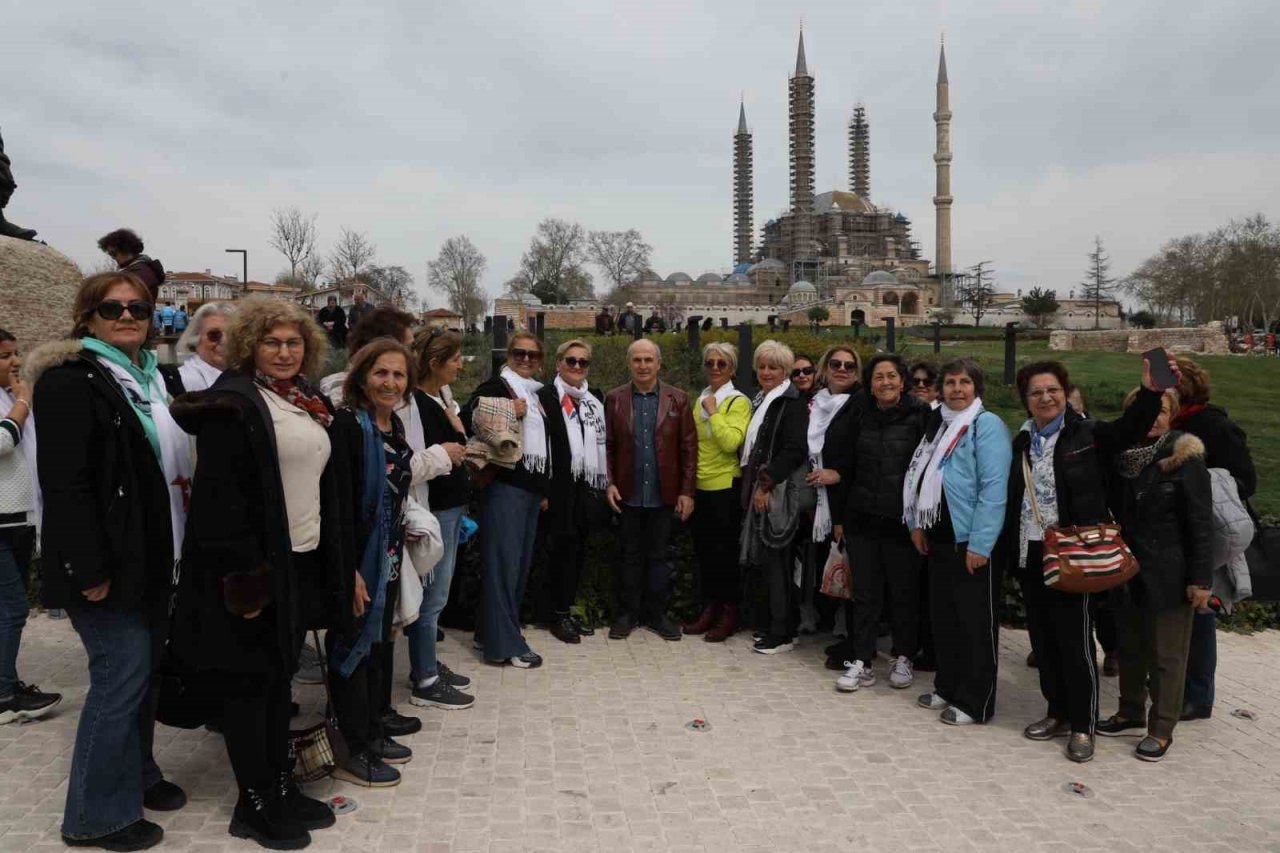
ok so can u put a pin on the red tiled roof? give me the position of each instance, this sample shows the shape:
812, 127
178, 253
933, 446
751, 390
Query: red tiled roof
440, 312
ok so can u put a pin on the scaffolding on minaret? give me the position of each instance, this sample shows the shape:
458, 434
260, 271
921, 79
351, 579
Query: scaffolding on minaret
860, 153
800, 89
742, 190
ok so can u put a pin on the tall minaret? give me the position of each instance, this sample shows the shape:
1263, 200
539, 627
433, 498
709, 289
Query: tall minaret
742, 190
860, 153
801, 89
942, 159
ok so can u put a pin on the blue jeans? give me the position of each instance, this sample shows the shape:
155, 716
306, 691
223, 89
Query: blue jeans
15, 554
112, 765
421, 635
1202, 661
508, 528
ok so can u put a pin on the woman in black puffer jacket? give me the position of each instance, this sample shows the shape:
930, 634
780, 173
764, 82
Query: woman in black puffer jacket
885, 437
1165, 506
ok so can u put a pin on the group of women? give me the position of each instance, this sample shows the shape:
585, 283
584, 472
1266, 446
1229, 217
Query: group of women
202, 524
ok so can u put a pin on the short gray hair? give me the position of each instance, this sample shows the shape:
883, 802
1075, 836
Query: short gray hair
656, 349
191, 337
725, 349
775, 353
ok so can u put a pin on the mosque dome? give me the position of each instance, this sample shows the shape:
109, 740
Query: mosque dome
880, 278
802, 287
767, 264
710, 278
737, 278
523, 298
844, 201
800, 293
678, 278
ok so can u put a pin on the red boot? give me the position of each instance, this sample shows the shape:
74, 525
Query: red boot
726, 626
704, 622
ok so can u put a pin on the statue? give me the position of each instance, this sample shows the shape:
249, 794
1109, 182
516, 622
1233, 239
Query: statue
7, 186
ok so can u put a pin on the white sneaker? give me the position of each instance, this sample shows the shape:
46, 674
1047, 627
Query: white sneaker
953, 716
856, 674
901, 675
933, 702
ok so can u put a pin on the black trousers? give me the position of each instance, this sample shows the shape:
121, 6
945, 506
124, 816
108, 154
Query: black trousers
644, 578
361, 699
965, 629
928, 649
1061, 634
880, 563
777, 568
717, 525
568, 556
255, 713
1104, 621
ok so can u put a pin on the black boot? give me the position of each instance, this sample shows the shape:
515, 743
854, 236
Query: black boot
8, 229
309, 813
259, 815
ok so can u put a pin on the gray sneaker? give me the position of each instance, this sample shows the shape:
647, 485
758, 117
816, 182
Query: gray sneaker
452, 678
901, 675
441, 694
856, 674
933, 702
308, 666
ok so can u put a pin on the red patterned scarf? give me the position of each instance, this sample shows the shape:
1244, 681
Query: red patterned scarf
298, 392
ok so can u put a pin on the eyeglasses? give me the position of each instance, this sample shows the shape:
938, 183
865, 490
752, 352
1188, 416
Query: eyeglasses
838, 364
1045, 393
213, 336
801, 371
920, 381
277, 344
715, 364
112, 309
575, 362
525, 355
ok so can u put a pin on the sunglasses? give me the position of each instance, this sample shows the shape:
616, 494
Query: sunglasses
838, 364
575, 362
715, 364
525, 355
213, 336
112, 309
802, 371
920, 381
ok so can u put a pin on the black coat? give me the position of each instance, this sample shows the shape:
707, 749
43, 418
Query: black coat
520, 477
106, 503
237, 525
568, 501
782, 445
883, 442
1084, 461
1225, 445
453, 489
1167, 517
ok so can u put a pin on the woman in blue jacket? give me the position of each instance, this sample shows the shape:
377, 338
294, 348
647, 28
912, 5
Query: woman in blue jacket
953, 502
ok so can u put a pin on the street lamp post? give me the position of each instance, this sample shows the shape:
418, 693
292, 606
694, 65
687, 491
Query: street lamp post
244, 256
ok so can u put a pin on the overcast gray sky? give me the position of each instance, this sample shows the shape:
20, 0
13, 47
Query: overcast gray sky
413, 121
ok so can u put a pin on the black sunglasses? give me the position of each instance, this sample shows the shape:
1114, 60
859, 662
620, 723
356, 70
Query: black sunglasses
575, 362
802, 371
213, 336
111, 309
525, 355
837, 364
920, 381
715, 364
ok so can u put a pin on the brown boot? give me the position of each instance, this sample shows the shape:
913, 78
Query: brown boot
704, 622
726, 626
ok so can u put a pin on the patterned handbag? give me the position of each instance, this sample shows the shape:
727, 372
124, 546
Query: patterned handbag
1082, 558
318, 749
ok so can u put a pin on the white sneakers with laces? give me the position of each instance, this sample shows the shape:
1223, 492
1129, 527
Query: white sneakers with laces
901, 674
856, 674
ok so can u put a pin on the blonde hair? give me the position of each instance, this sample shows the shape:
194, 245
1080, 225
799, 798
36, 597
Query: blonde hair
570, 344
832, 350
1171, 395
256, 316
728, 350
775, 353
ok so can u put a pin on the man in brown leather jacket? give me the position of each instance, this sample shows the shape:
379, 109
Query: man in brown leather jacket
653, 462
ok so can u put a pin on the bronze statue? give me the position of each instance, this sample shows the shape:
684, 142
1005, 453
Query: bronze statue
7, 186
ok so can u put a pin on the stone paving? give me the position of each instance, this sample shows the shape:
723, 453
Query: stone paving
591, 752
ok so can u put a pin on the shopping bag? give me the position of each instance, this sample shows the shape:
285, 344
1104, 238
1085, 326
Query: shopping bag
836, 581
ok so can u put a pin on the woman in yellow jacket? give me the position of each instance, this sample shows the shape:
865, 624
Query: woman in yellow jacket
722, 415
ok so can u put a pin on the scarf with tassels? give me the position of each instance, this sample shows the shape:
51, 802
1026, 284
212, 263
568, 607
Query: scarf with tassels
584, 421
922, 487
824, 406
533, 429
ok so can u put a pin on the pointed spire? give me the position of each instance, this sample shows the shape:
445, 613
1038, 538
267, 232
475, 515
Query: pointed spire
742, 117
801, 69
942, 62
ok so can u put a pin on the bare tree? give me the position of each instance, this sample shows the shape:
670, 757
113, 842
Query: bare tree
352, 256
1097, 286
293, 234
551, 269
623, 255
310, 271
456, 273
394, 282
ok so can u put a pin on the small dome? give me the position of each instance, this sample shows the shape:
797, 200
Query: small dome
802, 287
710, 278
525, 298
880, 278
737, 278
742, 267
678, 278
767, 264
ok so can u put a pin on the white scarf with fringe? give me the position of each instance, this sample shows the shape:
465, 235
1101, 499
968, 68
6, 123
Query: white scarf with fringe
533, 428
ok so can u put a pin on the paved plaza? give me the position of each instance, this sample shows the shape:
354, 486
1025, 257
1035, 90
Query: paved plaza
592, 752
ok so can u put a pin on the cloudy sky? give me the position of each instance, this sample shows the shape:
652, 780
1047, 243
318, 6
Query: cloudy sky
413, 121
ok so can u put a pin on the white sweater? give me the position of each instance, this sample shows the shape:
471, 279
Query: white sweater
17, 494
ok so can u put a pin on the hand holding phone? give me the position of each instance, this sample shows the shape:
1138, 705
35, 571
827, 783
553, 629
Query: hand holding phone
1160, 373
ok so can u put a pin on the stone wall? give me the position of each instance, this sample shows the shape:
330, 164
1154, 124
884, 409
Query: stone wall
37, 290
1210, 339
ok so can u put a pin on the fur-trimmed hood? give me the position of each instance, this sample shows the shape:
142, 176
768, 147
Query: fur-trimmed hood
46, 356
1180, 451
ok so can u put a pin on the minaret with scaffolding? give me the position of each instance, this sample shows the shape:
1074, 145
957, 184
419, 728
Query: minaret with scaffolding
860, 153
742, 190
801, 142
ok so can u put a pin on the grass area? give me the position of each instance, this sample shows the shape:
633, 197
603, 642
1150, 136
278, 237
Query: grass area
1241, 384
